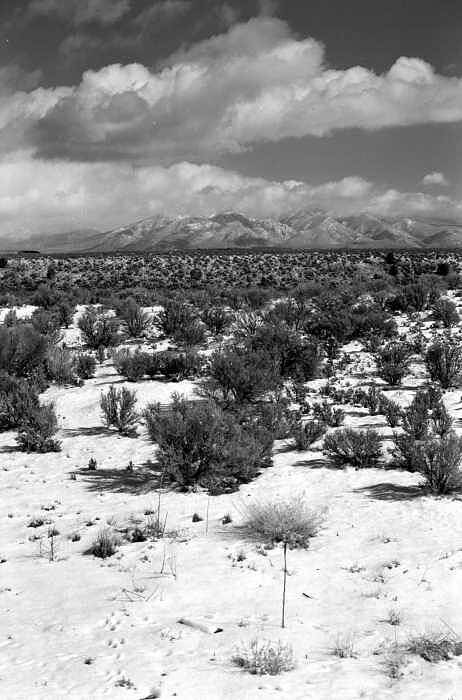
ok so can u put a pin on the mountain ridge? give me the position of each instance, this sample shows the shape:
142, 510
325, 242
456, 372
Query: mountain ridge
305, 228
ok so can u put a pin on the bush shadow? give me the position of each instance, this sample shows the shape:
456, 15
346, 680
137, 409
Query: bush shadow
140, 480
388, 491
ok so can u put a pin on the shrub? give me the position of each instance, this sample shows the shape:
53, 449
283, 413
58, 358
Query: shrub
216, 319
305, 434
85, 366
199, 443
393, 362
237, 374
439, 463
444, 362
130, 365
391, 410
118, 407
360, 448
135, 320
290, 523
17, 398
174, 316
36, 430
98, 329
445, 312
372, 399
179, 365
264, 658
22, 349
406, 452
416, 296
105, 544
416, 418
60, 365
326, 413
193, 333
295, 356
441, 420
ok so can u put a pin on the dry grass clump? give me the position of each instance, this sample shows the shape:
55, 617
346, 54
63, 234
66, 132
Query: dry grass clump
344, 647
264, 658
433, 646
290, 522
105, 544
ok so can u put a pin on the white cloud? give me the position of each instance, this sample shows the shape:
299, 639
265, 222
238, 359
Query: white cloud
257, 82
435, 178
47, 196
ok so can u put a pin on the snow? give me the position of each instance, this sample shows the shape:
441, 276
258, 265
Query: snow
80, 627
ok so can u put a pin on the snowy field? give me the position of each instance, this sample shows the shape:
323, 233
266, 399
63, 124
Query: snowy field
82, 628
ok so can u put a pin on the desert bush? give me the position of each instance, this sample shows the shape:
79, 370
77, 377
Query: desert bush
22, 349
85, 366
368, 321
416, 418
98, 329
305, 434
372, 400
216, 319
439, 462
405, 452
237, 374
18, 398
45, 321
393, 362
135, 320
36, 430
191, 334
288, 522
105, 544
174, 316
264, 658
199, 443
177, 366
441, 421
326, 413
391, 410
118, 408
445, 312
417, 296
60, 365
296, 357
360, 448
130, 365
443, 360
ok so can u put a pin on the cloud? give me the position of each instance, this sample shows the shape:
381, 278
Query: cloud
81, 11
435, 178
52, 196
254, 83
161, 12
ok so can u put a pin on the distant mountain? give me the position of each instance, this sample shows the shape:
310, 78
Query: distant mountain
310, 229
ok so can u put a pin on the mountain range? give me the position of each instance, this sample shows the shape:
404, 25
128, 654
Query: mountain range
310, 229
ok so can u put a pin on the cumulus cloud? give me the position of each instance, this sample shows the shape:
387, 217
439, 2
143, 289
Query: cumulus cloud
52, 196
81, 11
435, 178
256, 82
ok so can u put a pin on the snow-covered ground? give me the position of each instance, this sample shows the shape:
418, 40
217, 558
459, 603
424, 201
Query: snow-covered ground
83, 628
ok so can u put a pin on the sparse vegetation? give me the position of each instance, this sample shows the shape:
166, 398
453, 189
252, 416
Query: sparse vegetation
118, 408
359, 448
264, 658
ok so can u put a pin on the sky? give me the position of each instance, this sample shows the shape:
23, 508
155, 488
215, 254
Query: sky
116, 110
